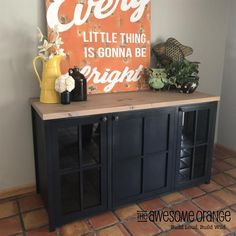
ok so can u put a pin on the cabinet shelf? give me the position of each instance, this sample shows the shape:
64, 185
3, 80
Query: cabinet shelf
193, 146
185, 152
185, 162
184, 174
186, 142
69, 164
74, 170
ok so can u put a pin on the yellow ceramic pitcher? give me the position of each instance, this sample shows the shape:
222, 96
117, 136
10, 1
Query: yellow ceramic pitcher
51, 71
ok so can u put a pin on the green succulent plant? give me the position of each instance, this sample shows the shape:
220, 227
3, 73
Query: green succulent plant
180, 72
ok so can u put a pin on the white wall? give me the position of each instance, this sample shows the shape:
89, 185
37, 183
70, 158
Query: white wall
227, 124
197, 23
18, 44
200, 24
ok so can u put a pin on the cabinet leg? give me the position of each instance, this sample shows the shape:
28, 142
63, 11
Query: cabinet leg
51, 228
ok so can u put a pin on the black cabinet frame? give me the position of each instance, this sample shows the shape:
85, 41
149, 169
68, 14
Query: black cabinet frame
47, 166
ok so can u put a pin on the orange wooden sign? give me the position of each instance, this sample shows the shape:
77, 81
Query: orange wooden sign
108, 39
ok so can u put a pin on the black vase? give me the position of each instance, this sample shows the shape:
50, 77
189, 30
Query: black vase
79, 93
65, 98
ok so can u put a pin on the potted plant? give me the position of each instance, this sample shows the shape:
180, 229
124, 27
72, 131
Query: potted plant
183, 75
64, 84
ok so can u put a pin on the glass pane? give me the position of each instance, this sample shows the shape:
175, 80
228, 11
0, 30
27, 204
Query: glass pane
91, 186
68, 147
91, 144
199, 163
202, 126
70, 193
188, 128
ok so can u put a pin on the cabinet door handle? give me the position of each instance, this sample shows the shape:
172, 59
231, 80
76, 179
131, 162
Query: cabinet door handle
104, 119
116, 118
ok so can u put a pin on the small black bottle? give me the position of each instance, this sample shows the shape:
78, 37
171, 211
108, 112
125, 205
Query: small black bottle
79, 93
65, 98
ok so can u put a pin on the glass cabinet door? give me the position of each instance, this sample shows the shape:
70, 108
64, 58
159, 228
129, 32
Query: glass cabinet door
194, 137
81, 151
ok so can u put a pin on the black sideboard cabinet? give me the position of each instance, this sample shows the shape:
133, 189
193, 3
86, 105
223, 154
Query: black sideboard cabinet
90, 164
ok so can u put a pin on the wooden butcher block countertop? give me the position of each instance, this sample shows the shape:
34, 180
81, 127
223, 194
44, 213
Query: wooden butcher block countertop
119, 102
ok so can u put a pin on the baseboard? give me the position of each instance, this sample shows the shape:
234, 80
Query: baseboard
16, 191
225, 149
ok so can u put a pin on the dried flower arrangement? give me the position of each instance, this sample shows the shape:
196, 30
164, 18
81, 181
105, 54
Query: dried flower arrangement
51, 45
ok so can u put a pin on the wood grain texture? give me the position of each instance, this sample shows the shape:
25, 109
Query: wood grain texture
119, 102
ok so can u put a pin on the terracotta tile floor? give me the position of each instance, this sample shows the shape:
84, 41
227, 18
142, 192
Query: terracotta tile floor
25, 215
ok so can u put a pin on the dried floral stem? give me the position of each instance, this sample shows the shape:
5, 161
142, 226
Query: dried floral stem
51, 46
